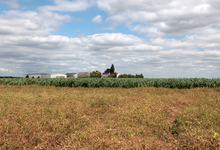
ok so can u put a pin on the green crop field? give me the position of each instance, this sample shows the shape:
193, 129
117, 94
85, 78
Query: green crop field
181, 83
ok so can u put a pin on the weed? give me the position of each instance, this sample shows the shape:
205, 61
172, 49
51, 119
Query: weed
108, 118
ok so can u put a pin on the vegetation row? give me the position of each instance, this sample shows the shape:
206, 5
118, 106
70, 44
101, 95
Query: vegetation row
181, 83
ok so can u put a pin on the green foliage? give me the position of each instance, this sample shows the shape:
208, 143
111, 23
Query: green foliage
112, 70
140, 76
112, 75
27, 76
95, 74
181, 83
130, 76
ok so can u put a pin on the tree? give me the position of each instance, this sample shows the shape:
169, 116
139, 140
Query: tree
121, 76
125, 76
112, 75
96, 74
38, 77
27, 76
33, 77
112, 70
141, 76
129, 75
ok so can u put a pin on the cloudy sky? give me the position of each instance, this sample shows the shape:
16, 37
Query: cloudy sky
158, 38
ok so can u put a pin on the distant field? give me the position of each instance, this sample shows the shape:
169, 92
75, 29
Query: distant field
49, 117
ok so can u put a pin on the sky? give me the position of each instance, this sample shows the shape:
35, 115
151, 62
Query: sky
156, 38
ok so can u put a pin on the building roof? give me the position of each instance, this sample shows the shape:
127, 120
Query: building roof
43, 74
71, 74
83, 74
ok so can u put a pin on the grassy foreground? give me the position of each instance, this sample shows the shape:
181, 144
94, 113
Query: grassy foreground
48, 117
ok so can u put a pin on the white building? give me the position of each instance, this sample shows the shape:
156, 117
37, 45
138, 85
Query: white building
72, 75
43, 75
106, 75
117, 74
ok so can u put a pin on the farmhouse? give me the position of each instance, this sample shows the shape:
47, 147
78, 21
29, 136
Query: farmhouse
44, 75
83, 74
105, 74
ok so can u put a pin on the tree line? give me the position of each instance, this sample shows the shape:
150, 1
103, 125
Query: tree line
97, 74
131, 76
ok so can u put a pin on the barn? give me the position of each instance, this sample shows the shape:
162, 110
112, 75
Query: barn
44, 75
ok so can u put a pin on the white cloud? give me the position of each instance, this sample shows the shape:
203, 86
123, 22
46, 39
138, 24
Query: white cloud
93, 67
32, 23
128, 53
201, 8
77, 19
26, 43
97, 19
161, 18
149, 31
13, 4
3, 69
66, 5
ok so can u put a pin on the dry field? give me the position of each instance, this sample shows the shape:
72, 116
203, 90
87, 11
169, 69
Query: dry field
47, 117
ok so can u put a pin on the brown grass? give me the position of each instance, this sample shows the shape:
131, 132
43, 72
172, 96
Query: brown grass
44, 117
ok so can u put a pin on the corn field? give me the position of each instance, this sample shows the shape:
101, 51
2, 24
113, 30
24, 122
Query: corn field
181, 83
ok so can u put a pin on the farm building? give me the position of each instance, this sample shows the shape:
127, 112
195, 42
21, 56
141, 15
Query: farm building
83, 74
72, 75
43, 75
105, 75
